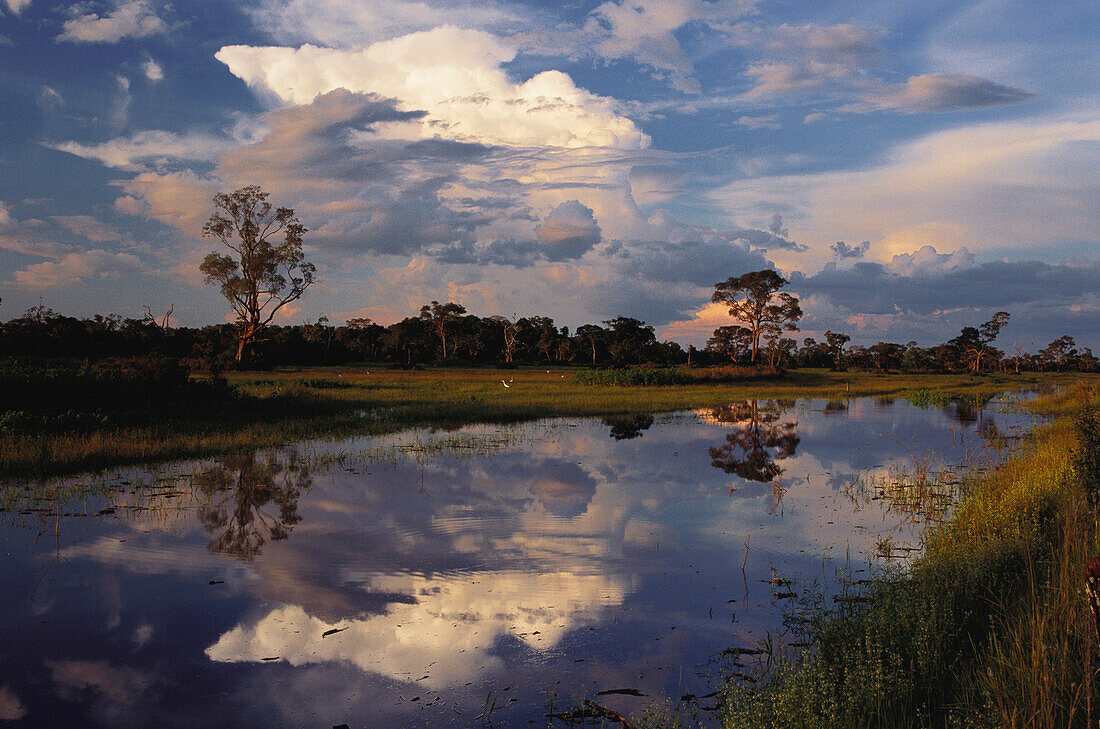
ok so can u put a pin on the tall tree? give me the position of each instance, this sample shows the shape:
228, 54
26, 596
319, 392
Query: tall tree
440, 316
754, 300
266, 269
510, 329
593, 334
836, 342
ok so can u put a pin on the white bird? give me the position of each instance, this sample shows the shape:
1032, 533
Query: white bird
505, 383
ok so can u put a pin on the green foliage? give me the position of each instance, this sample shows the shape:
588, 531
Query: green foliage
54, 393
663, 376
1086, 455
634, 377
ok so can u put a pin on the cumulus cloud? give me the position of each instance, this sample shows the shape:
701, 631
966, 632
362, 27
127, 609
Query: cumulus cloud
927, 262
446, 635
465, 94
179, 199
808, 57
842, 250
642, 31
152, 70
569, 231
82, 267
134, 19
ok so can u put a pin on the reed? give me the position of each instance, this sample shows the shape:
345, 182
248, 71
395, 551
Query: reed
987, 628
259, 410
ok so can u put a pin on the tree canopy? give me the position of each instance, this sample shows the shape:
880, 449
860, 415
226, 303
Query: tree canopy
754, 300
265, 269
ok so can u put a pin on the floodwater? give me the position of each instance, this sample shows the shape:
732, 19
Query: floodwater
488, 576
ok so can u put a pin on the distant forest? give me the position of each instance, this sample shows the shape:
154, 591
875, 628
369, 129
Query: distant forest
445, 334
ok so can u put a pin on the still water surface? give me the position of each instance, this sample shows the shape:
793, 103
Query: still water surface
422, 578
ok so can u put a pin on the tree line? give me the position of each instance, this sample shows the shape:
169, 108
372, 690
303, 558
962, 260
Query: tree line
446, 334
261, 268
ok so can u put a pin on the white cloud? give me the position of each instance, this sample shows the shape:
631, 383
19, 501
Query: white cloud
809, 57
134, 19
91, 228
926, 261
31, 236
845, 61
118, 113
148, 147
447, 635
640, 30
467, 95
644, 30
152, 70
984, 187
16, 6
759, 122
94, 266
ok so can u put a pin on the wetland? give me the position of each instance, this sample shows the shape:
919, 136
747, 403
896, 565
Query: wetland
495, 575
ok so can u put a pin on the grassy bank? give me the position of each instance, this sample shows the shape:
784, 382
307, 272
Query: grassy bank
989, 628
274, 408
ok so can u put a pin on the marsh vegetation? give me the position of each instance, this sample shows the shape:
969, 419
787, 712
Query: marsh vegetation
637, 561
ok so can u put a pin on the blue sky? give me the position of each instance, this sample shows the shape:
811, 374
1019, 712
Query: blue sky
912, 167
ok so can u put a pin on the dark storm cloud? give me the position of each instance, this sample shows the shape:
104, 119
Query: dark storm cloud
568, 232
872, 288
841, 249
931, 305
373, 194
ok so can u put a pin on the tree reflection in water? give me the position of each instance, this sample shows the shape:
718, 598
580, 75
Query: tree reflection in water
746, 450
625, 427
250, 501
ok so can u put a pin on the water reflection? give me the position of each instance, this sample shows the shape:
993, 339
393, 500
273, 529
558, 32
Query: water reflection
247, 501
625, 427
757, 428
401, 590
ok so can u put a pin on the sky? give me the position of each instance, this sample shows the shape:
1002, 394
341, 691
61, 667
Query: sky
911, 167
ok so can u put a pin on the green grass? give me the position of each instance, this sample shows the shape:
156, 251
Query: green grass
296, 404
989, 628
